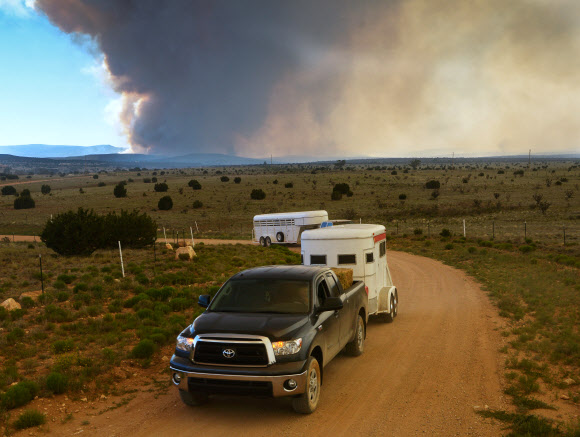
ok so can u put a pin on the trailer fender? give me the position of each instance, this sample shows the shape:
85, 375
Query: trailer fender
385, 298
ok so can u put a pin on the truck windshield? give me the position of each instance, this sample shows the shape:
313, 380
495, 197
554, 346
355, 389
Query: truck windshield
263, 296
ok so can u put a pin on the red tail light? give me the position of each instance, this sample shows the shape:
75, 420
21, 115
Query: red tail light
367, 290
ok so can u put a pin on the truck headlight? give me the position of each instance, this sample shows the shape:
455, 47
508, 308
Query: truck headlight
184, 344
287, 347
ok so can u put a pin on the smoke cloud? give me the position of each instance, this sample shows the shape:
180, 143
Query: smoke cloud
338, 78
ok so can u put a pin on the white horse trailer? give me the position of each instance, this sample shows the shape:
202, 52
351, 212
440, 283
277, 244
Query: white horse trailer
362, 248
285, 227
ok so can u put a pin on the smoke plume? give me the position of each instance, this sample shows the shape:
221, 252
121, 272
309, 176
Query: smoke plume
331, 78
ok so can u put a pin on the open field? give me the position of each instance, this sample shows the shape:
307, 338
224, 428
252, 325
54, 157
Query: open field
494, 199
93, 325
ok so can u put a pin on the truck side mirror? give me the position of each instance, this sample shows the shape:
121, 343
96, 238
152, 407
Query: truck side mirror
330, 304
204, 300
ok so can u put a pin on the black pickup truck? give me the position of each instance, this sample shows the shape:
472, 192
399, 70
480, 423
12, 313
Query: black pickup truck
269, 331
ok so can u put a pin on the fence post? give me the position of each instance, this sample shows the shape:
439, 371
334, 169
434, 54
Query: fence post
191, 230
564, 236
463, 228
164, 235
196, 228
41, 277
121, 255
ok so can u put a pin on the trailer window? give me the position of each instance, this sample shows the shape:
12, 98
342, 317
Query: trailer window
346, 259
370, 257
382, 248
318, 260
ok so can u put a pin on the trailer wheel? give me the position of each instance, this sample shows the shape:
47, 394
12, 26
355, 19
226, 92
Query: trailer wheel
262, 241
267, 242
193, 399
357, 346
307, 402
390, 316
280, 237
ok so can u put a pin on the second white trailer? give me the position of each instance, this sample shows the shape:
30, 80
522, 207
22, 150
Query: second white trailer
362, 248
285, 227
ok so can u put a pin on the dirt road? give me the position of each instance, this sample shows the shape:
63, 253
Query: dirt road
424, 374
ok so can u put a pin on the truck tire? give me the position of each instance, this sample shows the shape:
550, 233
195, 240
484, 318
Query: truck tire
267, 242
193, 399
280, 237
262, 241
357, 346
307, 402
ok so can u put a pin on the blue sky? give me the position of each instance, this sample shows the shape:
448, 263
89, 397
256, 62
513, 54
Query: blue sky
50, 89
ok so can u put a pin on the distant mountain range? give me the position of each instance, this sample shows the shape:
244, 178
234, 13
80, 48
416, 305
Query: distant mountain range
106, 156
52, 151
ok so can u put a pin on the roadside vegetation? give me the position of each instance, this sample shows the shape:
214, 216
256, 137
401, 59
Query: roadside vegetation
92, 324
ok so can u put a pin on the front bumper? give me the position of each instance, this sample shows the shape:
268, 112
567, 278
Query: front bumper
270, 385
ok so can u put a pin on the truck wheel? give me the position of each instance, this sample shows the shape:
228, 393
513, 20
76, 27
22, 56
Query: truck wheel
390, 316
193, 399
280, 237
357, 346
262, 241
396, 303
268, 242
307, 402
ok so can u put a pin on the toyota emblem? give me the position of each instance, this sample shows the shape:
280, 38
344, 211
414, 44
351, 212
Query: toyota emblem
229, 353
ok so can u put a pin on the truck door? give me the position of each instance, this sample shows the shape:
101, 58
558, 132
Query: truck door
345, 316
329, 320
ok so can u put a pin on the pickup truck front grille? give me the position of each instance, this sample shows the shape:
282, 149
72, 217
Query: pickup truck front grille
231, 353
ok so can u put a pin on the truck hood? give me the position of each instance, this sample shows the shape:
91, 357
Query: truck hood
274, 326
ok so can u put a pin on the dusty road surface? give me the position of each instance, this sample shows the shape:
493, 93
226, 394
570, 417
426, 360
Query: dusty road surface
424, 374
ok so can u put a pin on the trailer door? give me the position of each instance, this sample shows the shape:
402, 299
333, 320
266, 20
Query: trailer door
371, 279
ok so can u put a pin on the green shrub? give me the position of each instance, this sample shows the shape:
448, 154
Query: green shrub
471, 249
165, 203
27, 302
8, 190
289, 185
257, 194
133, 229
341, 188
29, 419
195, 184
448, 246
237, 180
59, 285
402, 196
81, 286
224, 179
67, 279
74, 233
15, 335
19, 394
161, 187
184, 256
433, 185
62, 296
101, 184
120, 190
45, 189
62, 346
24, 202
418, 231
526, 248
445, 233
56, 382
144, 349
336, 195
